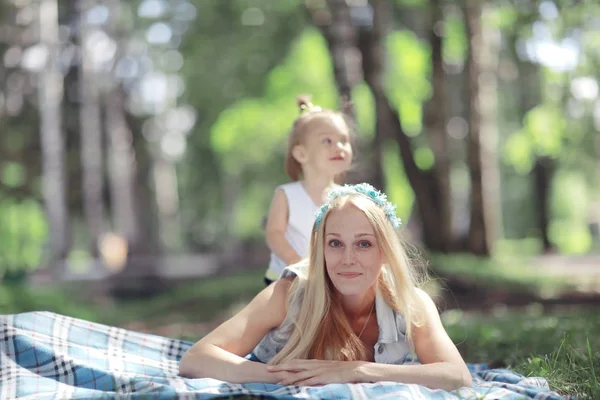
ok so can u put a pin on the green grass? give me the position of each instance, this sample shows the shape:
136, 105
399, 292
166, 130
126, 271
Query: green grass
562, 347
19, 297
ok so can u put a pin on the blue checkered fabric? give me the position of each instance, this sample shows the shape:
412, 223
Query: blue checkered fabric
49, 356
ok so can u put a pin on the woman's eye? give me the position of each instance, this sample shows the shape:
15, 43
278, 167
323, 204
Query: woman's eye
335, 243
363, 244
326, 141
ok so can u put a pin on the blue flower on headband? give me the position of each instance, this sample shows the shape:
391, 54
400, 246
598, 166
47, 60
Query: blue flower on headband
367, 190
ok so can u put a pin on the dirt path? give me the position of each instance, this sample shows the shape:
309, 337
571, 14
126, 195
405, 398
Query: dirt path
582, 271
568, 265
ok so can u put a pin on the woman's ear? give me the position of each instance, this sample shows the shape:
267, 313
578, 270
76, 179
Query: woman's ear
299, 153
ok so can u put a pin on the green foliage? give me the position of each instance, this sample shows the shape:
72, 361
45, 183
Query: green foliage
412, 3
399, 190
23, 233
519, 152
12, 174
365, 110
542, 135
19, 297
455, 44
503, 16
424, 158
570, 204
546, 127
251, 208
407, 82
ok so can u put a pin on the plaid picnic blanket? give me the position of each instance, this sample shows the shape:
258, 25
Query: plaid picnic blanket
49, 356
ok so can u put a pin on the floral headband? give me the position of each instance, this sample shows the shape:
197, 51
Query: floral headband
366, 190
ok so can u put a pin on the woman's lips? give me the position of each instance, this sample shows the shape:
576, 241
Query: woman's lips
349, 275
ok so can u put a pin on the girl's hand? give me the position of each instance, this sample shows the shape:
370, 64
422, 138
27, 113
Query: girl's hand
317, 372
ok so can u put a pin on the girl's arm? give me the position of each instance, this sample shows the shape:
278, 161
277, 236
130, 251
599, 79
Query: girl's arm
277, 221
442, 365
220, 354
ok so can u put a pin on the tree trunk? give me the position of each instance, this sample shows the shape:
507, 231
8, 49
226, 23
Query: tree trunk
52, 137
340, 35
424, 183
90, 129
543, 168
483, 136
140, 276
543, 171
434, 123
122, 170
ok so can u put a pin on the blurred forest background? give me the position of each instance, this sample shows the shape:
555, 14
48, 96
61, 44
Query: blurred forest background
141, 141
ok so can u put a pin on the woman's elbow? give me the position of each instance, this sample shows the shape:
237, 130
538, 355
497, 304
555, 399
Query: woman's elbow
189, 365
464, 378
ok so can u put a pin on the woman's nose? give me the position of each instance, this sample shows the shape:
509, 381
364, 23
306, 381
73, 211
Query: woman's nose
349, 255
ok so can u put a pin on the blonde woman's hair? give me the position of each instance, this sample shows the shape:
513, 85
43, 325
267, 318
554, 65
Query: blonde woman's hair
321, 328
310, 115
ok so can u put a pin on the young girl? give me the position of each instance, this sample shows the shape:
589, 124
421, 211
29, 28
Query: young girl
318, 155
350, 313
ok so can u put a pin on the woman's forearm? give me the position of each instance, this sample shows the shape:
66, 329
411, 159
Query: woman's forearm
213, 362
440, 375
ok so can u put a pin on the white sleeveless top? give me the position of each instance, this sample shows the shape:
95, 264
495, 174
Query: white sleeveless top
301, 217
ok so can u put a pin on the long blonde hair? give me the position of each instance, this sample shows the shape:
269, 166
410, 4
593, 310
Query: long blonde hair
321, 329
309, 115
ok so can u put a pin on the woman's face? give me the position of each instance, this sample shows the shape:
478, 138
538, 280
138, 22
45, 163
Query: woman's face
352, 254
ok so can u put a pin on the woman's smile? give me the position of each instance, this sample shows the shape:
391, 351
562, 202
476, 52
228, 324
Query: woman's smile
349, 275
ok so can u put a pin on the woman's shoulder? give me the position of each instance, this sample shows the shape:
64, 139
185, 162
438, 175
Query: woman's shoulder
300, 270
425, 300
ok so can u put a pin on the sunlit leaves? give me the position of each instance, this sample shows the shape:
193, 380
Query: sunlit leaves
455, 40
546, 126
570, 196
503, 16
424, 158
543, 134
307, 69
399, 190
518, 152
365, 110
407, 81
570, 205
23, 232
12, 174
570, 237
412, 3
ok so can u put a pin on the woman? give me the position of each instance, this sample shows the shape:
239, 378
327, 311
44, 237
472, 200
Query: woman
351, 313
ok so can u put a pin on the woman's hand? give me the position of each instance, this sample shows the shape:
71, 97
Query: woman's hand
317, 372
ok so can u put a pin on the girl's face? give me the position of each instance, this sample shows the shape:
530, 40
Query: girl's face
353, 258
326, 147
